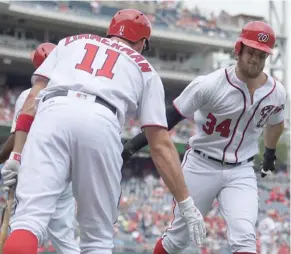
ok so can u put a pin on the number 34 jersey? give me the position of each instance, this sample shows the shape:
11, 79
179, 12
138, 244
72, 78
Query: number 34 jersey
228, 122
109, 69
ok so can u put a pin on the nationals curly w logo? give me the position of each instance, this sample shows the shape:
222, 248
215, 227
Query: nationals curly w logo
262, 37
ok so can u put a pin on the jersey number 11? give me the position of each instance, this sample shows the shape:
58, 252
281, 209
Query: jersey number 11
108, 65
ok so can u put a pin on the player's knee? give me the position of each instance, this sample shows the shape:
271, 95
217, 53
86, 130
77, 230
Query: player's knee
242, 237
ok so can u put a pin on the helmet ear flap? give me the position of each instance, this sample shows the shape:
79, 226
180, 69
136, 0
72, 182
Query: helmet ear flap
147, 45
237, 48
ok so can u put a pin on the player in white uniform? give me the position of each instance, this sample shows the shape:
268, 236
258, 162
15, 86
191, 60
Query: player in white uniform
267, 234
230, 107
61, 226
88, 85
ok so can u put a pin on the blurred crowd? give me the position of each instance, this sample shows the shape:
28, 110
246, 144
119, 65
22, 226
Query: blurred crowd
7, 102
170, 14
179, 134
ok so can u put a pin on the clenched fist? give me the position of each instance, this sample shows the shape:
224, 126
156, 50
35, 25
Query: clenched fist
193, 219
10, 170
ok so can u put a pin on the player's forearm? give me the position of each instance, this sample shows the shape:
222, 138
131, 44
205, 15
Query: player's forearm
20, 139
7, 149
29, 105
167, 162
28, 110
20, 135
272, 134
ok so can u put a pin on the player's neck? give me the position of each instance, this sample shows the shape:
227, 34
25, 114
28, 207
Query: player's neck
131, 45
121, 40
251, 83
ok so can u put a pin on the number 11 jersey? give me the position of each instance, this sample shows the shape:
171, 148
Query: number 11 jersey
109, 69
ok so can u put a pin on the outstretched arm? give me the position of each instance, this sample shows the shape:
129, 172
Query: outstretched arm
140, 141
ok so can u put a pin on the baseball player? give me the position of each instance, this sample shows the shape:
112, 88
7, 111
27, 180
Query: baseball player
84, 90
231, 106
267, 230
61, 226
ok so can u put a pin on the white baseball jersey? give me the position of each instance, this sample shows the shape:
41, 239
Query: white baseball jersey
109, 69
228, 124
18, 106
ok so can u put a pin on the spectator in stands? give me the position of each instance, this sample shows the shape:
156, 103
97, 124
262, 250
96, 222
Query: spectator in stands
267, 233
287, 193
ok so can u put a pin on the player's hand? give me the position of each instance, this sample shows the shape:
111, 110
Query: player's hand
193, 219
126, 155
10, 170
268, 165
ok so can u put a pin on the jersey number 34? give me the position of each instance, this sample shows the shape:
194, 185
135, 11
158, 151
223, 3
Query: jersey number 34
108, 65
211, 125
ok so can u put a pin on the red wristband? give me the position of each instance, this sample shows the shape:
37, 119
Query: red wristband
15, 156
24, 122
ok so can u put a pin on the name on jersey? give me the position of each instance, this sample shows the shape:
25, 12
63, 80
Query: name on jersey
139, 59
266, 112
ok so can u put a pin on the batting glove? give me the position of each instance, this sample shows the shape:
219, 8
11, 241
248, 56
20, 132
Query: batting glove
268, 164
10, 170
193, 219
126, 155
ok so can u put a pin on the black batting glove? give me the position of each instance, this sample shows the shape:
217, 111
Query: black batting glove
126, 155
127, 152
268, 164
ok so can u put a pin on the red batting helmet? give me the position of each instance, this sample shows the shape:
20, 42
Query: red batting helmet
131, 25
41, 53
258, 35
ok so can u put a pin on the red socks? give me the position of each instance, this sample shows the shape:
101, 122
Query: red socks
21, 242
159, 249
